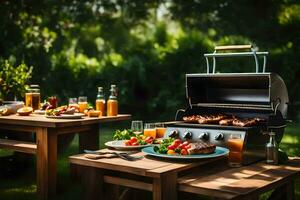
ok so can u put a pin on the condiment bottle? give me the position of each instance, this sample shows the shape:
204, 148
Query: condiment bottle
100, 101
112, 103
272, 150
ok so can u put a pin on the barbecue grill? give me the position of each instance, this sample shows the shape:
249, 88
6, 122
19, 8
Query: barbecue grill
260, 95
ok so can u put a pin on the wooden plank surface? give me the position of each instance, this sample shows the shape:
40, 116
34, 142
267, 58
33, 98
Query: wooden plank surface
20, 146
148, 166
42, 121
248, 180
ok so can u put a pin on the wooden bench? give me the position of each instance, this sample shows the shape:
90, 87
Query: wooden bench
248, 182
20, 146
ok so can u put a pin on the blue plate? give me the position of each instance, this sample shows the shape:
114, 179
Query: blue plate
220, 151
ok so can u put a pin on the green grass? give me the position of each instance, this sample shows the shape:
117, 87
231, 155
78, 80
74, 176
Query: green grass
23, 187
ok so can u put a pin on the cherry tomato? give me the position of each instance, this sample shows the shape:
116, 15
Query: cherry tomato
133, 139
128, 143
149, 141
171, 152
135, 144
149, 137
171, 147
183, 152
177, 142
188, 146
186, 143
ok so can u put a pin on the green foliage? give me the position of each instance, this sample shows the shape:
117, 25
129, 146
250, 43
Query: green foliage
145, 47
13, 80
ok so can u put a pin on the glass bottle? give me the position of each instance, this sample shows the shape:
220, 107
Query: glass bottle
33, 97
112, 103
100, 101
272, 150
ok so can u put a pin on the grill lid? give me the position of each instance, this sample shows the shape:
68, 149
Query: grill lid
252, 91
259, 91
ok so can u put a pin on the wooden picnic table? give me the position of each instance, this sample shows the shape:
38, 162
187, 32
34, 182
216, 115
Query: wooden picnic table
47, 132
169, 179
150, 174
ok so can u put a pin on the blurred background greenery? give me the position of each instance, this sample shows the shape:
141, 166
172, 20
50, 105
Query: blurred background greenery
145, 47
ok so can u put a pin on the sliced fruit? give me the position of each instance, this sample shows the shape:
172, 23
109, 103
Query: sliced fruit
25, 111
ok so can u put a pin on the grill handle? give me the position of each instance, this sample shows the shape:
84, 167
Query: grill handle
250, 53
233, 47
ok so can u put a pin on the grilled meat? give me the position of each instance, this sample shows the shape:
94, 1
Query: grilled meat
226, 122
211, 119
191, 119
201, 148
244, 122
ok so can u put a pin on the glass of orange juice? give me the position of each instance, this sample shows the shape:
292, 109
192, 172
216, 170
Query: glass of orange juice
160, 130
82, 103
235, 145
150, 130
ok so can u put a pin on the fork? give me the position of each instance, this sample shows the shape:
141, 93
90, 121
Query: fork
122, 155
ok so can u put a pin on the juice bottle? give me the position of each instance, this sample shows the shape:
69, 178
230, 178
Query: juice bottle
100, 101
112, 103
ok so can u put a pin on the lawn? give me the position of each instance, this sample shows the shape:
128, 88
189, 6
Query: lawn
23, 187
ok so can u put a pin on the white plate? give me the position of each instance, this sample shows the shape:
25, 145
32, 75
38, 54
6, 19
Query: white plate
64, 116
39, 112
120, 144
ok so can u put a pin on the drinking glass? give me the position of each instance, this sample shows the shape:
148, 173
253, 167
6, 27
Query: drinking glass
235, 145
53, 101
160, 130
33, 97
82, 102
73, 103
150, 130
137, 127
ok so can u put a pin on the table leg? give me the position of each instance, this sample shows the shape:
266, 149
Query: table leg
165, 187
46, 162
89, 140
284, 192
93, 183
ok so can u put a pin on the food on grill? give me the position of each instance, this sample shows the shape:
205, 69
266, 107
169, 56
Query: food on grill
226, 122
201, 148
244, 122
204, 119
222, 119
211, 119
191, 119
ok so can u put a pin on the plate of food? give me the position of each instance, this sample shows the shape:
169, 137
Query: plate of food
66, 116
122, 144
126, 140
178, 149
63, 112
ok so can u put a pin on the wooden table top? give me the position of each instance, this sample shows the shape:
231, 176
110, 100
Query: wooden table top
42, 121
147, 166
225, 182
